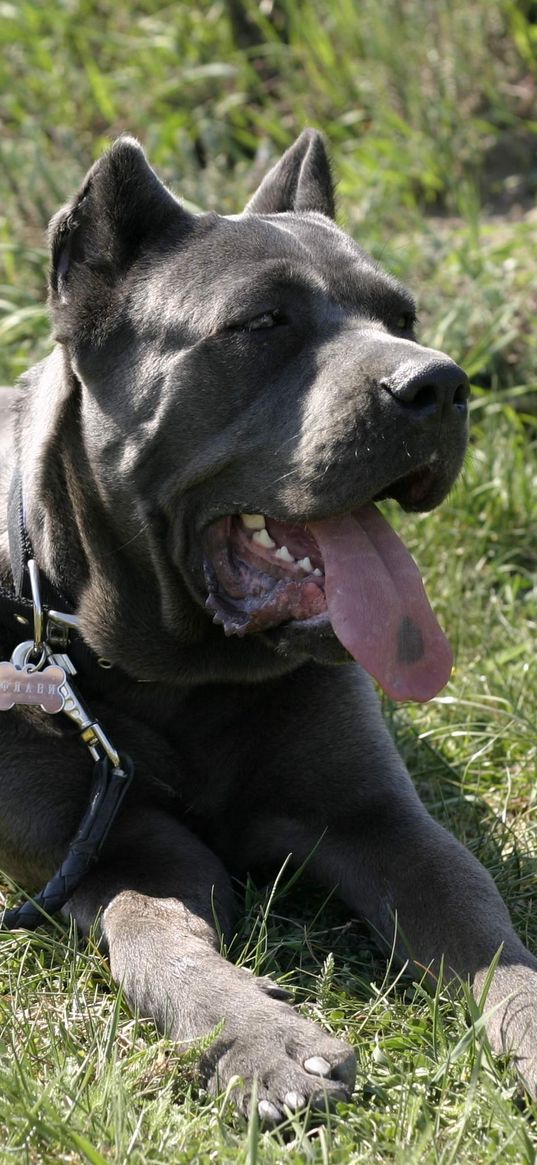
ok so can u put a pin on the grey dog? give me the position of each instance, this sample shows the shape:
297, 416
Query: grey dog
200, 458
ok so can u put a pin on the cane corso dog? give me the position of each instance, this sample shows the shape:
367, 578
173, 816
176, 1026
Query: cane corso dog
201, 456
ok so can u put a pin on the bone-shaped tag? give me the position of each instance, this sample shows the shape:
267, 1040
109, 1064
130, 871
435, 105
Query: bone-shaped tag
19, 686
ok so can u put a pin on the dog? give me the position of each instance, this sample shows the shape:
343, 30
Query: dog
200, 459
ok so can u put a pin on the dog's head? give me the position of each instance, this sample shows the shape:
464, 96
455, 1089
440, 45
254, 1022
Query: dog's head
248, 387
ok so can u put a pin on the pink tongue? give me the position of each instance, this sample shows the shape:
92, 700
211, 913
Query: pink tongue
378, 606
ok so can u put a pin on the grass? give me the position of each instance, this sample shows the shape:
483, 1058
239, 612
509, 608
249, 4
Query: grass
430, 113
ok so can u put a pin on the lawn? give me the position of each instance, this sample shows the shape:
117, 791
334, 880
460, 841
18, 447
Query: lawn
430, 112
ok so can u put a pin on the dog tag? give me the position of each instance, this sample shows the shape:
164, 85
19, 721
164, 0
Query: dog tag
27, 686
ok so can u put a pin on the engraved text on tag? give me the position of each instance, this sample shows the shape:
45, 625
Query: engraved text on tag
21, 686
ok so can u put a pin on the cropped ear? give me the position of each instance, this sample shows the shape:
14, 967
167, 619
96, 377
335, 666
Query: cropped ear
301, 180
119, 208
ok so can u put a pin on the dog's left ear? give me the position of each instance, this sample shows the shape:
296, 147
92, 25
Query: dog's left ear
301, 180
120, 206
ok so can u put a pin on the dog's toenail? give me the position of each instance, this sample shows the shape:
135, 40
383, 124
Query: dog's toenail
269, 1112
317, 1066
294, 1100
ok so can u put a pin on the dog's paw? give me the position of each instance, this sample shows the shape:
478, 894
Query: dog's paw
510, 1009
269, 1052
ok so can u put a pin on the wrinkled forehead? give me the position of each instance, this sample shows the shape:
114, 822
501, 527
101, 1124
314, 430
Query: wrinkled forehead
351, 275
230, 263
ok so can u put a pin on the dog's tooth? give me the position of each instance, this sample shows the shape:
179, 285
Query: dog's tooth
317, 571
305, 563
283, 553
253, 521
262, 537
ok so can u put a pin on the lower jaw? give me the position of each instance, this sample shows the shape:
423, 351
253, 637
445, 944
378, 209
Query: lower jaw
309, 639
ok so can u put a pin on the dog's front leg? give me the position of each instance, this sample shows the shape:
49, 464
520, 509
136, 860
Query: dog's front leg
425, 893
432, 901
157, 886
338, 797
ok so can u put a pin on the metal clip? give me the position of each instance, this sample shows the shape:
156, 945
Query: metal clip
92, 734
33, 571
62, 623
70, 621
59, 627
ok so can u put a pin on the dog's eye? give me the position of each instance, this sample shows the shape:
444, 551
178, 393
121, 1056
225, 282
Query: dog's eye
268, 319
265, 321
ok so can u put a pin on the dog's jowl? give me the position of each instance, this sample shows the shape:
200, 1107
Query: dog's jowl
196, 467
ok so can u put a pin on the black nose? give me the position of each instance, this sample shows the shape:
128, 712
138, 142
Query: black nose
439, 390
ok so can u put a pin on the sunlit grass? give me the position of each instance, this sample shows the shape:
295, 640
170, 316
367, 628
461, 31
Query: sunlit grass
424, 106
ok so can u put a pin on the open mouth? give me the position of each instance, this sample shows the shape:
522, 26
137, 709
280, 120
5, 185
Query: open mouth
351, 570
262, 573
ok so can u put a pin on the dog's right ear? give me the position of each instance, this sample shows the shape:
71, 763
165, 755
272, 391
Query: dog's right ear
301, 180
119, 208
